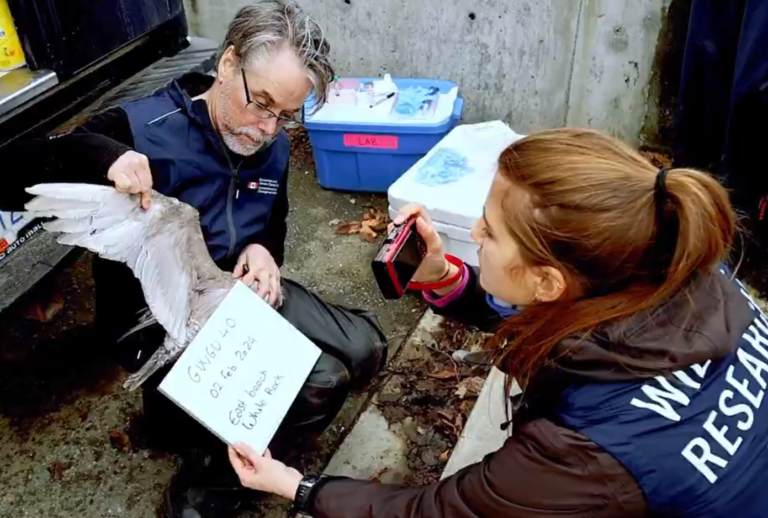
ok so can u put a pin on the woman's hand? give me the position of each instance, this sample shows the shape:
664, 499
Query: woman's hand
434, 267
263, 473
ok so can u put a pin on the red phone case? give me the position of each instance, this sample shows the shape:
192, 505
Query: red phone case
384, 265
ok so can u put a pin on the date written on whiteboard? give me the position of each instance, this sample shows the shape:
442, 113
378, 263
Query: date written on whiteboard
242, 372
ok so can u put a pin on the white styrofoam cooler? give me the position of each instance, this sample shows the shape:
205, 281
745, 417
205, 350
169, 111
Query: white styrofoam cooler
456, 206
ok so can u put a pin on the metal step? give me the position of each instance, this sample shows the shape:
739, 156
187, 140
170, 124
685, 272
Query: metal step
21, 85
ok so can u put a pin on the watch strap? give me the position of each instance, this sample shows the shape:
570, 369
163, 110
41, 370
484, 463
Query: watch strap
301, 501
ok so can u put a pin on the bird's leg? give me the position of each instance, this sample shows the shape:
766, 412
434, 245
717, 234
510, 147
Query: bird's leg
193, 328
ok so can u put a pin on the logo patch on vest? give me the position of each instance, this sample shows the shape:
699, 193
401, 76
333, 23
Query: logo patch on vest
267, 186
264, 186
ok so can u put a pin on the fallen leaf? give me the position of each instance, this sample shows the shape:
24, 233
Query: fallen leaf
45, 308
378, 473
379, 225
475, 385
443, 374
459, 423
428, 457
367, 234
445, 456
470, 387
657, 159
57, 469
374, 222
446, 417
466, 408
119, 440
353, 227
447, 413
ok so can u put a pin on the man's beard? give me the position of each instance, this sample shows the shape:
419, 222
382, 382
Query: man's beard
242, 140
234, 140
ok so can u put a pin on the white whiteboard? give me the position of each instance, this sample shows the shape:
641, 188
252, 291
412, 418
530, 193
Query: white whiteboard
242, 372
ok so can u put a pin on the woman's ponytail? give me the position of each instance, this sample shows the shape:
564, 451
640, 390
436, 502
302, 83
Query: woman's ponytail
704, 220
628, 235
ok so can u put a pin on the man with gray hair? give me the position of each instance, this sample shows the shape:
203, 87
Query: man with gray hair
217, 143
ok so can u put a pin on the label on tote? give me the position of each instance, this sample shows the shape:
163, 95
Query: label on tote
372, 141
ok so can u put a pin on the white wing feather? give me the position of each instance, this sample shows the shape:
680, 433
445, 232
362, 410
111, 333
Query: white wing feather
113, 225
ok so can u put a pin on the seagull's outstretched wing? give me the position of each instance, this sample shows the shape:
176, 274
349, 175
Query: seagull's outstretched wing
153, 243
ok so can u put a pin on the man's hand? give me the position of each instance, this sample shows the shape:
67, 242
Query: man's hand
131, 174
263, 473
257, 269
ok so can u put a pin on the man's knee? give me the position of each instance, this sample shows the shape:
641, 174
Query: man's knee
375, 344
352, 336
322, 395
330, 379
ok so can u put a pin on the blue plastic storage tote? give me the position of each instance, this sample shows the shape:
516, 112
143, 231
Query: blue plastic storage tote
353, 156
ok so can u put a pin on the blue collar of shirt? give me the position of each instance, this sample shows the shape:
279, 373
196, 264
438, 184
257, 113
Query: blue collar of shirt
502, 308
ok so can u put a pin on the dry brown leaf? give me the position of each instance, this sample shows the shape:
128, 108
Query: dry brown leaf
459, 422
470, 387
657, 159
445, 456
446, 413
57, 469
373, 223
352, 227
442, 374
379, 226
475, 385
377, 474
377, 220
367, 234
466, 408
119, 440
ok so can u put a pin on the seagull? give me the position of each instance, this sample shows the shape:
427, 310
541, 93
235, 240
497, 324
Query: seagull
163, 246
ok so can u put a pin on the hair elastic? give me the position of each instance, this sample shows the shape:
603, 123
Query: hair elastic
660, 191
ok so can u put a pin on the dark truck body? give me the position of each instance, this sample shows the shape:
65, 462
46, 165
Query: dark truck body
82, 60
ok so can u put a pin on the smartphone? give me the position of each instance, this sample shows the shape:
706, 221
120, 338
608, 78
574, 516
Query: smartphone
398, 259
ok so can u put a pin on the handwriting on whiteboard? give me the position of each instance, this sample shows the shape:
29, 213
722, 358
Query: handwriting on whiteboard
242, 372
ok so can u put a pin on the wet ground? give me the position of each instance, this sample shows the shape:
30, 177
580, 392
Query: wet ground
430, 396
69, 440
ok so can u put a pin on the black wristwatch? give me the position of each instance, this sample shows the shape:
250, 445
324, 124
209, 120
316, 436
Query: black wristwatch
303, 499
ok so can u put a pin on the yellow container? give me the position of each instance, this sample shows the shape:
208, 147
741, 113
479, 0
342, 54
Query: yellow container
11, 54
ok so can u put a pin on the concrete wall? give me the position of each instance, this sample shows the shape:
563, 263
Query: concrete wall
532, 63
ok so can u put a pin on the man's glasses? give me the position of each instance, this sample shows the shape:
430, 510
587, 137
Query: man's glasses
262, 112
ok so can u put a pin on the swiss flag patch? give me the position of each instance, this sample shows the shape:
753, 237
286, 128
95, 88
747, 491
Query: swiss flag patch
253, 185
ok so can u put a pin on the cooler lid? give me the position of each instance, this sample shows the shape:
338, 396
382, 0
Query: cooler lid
452, 181
406, 105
